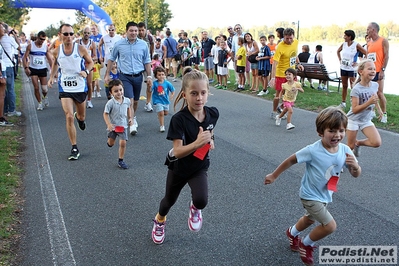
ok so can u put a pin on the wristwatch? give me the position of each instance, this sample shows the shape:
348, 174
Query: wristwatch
383, 69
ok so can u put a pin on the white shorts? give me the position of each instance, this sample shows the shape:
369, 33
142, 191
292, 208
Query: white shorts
223, 71
356, 125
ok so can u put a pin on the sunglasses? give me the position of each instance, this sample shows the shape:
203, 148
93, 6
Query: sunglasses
229, 28
86, 32
111, 30
68, 33
42, 39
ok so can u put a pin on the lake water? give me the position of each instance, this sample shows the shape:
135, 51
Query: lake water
332, 64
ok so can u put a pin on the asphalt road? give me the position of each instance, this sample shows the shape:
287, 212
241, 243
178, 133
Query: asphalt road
90, 212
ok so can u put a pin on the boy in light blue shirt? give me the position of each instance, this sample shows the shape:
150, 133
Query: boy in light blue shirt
324, 160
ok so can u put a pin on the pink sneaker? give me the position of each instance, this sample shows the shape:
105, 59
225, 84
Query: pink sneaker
158, 232
306, 253
293, 240
194, 218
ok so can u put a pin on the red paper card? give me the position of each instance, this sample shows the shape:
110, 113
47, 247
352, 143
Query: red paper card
332, 183
201, 152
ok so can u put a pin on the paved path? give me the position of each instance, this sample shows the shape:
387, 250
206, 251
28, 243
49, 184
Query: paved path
90, 212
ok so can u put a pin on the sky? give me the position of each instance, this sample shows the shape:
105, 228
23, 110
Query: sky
207, 13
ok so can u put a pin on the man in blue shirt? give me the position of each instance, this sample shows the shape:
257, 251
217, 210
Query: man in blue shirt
133, 58
207, 45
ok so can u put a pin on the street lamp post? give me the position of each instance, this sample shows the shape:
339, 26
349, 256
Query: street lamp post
297, 31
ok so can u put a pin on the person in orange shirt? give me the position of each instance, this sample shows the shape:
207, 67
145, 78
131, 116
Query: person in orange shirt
378, 51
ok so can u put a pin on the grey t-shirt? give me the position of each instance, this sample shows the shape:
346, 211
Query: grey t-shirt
118, 111
364, 94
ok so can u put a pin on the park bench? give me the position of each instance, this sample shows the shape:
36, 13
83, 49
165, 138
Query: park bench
319, 72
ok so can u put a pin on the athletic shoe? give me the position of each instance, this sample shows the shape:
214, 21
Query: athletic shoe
278, 120
40, 107
74, 154
158, 232
384, 118
148, 107
133, 128
45, 101
293, 240
342, 105
5, 123
356, 151
218, 86
174, 80
273, 115
98, 94
194, 218
89, 104
224, 87
81, 124
162, 128
290, 126
93, 95
261, 93
123, 165
15, 113
306, 253
211, 80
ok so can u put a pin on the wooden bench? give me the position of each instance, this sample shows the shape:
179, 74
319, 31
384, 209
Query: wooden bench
319, 72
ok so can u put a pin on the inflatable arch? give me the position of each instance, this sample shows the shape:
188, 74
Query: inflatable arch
90, 9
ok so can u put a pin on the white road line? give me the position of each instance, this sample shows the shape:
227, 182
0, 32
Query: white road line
60, 246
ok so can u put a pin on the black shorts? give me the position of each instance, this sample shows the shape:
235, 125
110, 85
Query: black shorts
38, 72
240, 69
195, 60
78, 97
264, 73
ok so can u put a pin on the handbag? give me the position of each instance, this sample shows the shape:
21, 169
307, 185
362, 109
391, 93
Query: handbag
252, 58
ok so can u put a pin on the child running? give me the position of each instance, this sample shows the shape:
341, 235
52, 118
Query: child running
364, 100
324, 160
162, 90
191, 130
290, 90
116, 115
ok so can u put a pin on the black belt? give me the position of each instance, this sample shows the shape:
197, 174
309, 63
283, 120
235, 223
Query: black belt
133, 75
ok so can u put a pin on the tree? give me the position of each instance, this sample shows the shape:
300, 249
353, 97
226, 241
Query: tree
15, 17
123, 11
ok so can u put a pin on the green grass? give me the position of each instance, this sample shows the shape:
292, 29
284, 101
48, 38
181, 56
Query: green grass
315, 100
10, 177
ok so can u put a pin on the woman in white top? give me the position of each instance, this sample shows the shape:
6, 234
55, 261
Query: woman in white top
348, 55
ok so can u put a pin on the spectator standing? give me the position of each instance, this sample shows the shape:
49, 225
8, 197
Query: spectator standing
207, 45
234, 47
171, 52
196, 53
3, 81
9, 44
303, 58
252, 50
264, 66
272, 46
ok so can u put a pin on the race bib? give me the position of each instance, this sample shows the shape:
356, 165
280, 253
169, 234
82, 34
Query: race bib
70, 81
372, 56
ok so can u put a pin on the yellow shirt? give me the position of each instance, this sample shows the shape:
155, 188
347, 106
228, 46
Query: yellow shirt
243, 61
289, 94
286, 57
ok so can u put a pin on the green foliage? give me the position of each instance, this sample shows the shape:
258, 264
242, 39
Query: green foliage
14, 17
